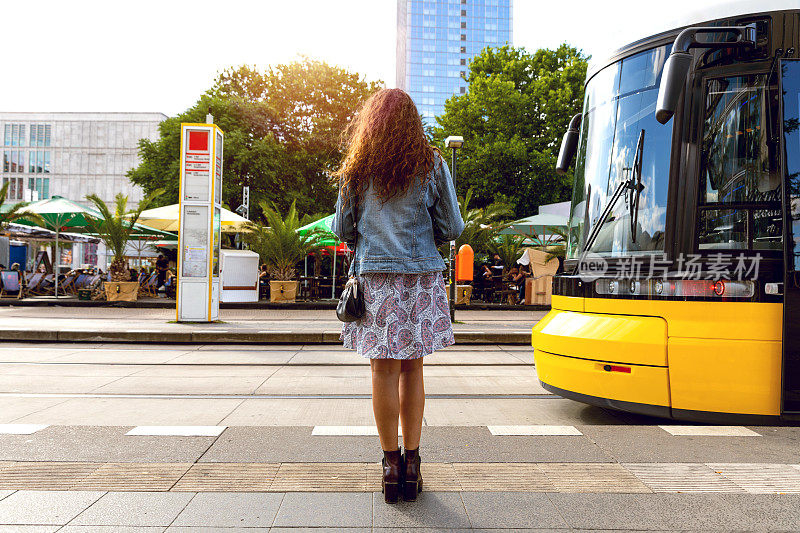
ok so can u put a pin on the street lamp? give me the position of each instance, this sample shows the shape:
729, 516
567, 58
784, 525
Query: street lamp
454, 142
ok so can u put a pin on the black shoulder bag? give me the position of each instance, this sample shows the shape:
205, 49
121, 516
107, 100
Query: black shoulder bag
351, 303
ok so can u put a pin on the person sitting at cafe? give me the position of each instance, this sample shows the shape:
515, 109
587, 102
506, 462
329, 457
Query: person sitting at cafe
162, 265
170, 286
22, 281
516, 281
519, 279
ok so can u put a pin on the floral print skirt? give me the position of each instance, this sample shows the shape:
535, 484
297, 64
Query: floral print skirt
407, 316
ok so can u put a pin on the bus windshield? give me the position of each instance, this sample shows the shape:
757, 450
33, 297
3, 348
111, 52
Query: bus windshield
619, 106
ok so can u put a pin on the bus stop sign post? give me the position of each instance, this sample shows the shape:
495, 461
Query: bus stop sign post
199, 223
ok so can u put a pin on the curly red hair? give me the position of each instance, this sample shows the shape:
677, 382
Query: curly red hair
386, 143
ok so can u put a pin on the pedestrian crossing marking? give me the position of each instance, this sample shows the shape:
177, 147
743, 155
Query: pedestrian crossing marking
21, 429
709, 431
534, 430
177, 431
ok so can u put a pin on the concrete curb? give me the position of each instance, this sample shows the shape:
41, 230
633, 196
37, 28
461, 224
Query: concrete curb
302, 306
233, 337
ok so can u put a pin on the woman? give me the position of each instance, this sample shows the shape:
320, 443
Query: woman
396, 204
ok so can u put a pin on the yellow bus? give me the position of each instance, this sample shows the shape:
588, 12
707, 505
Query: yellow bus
680, 296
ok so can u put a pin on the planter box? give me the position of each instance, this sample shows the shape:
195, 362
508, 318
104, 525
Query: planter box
84, 294
463, 294
283, 291
121, 291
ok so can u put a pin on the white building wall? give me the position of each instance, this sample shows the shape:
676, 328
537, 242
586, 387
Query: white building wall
89, 152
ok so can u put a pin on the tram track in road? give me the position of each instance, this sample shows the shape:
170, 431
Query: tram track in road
148, 396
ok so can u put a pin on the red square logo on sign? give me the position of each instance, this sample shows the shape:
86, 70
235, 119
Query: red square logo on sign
198, 140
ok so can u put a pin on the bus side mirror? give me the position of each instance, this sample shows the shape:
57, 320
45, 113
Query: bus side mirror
569, 145
679, 62
672, 81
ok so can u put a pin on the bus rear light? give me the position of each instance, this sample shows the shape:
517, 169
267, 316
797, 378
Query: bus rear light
686, 288
617, 368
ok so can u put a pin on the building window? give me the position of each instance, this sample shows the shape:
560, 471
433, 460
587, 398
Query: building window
41, 186
14, 135
15, 188
463, 90
40, 134
38, 162
463, 25
13, 161
463, 12
463, 37
463, 49
463, 61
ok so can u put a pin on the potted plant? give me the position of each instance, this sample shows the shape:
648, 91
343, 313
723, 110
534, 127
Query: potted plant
115, 229
281, 247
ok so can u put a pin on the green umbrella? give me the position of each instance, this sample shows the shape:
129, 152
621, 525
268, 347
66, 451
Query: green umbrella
536, 226
323, 225
60, 214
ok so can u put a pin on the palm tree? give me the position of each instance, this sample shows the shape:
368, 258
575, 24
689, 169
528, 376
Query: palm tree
15, 212
278, 244
509, 248
481, 224
115, 229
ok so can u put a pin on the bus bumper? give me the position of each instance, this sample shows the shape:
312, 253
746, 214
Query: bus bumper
630, 363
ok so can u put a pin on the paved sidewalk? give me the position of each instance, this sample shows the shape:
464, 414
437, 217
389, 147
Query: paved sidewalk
66, 324
94, 511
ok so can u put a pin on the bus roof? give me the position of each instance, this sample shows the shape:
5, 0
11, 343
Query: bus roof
696, 17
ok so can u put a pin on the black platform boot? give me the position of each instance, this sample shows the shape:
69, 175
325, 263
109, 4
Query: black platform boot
412, 476
392, 475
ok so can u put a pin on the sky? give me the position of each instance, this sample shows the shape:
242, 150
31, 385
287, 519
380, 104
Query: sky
160, 56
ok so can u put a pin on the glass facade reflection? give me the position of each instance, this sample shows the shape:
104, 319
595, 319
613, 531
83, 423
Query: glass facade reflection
437, 38
619, 107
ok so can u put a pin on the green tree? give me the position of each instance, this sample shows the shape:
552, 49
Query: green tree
282, 134
481, 224
512, 118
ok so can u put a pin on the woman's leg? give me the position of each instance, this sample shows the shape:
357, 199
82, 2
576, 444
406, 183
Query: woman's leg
386, 400
412, 401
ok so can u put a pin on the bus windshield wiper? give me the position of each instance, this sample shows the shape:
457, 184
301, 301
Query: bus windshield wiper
632, 184
636, 187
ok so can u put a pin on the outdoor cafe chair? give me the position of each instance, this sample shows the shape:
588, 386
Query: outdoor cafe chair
10, 284
80, 282
148, 288
68, 284
33, 280
46, 286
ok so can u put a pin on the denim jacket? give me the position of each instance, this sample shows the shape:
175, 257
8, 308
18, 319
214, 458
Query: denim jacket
402, 234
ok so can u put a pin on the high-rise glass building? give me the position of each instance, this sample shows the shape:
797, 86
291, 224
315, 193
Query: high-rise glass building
437, 38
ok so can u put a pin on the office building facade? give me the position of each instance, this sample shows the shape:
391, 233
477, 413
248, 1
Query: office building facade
73, 154
437, 38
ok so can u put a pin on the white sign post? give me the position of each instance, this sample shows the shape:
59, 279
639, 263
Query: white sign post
199, 237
